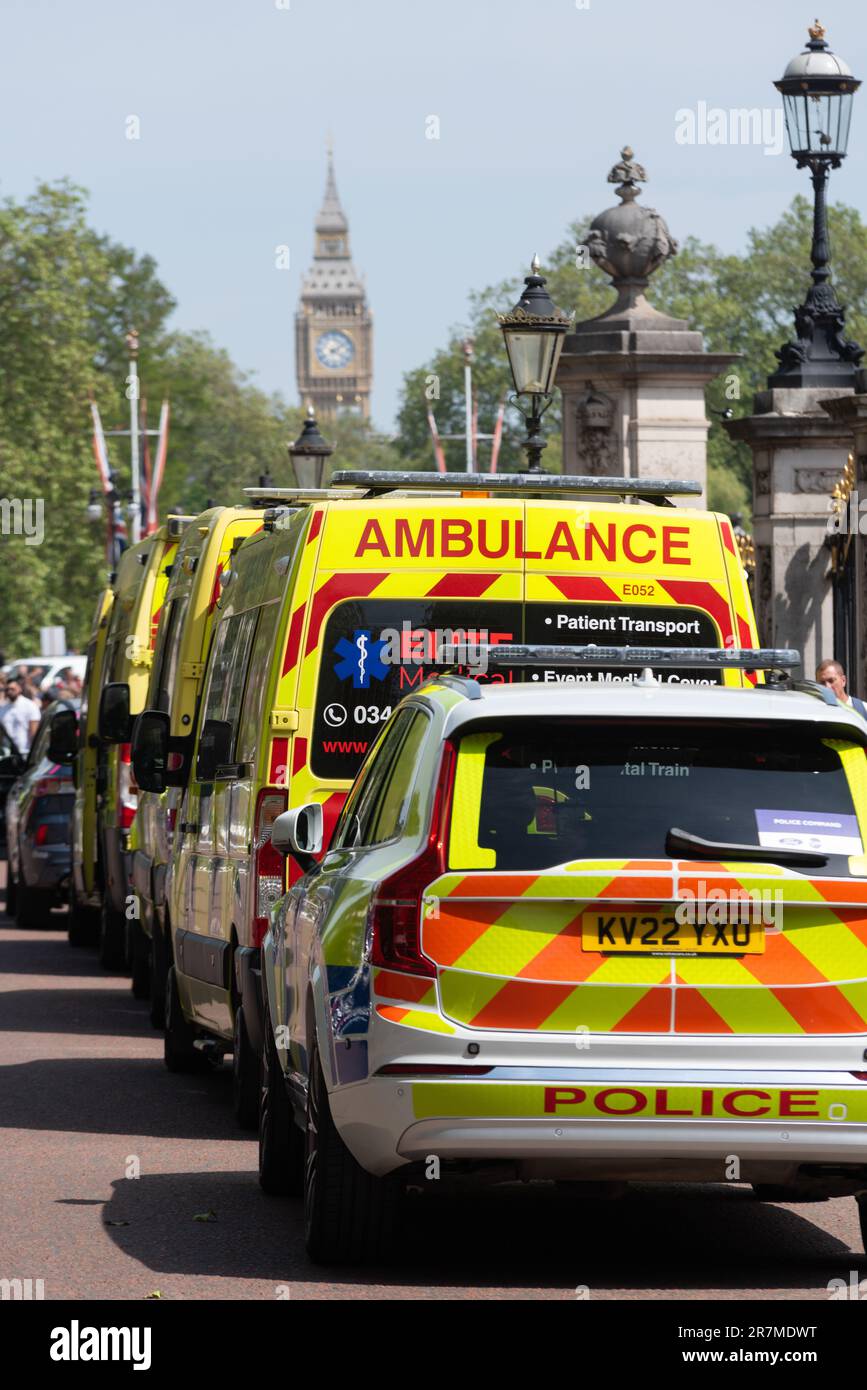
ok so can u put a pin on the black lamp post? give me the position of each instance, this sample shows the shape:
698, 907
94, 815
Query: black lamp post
309, 453
817, 89
534, 331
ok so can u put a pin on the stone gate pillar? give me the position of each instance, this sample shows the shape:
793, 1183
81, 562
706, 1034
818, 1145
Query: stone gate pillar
633, 379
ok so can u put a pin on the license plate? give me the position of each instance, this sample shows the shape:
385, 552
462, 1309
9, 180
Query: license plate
660, 933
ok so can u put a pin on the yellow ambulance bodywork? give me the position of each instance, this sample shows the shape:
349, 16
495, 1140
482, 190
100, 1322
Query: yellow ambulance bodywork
304, 616
86, 886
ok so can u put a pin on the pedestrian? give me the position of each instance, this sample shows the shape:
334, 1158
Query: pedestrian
19, 717
831, 673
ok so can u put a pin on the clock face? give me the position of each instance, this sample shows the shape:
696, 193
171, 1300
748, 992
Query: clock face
335, 349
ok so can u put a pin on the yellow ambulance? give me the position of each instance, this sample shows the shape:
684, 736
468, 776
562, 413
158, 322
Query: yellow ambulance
85, 894
140, 589
337, 609
182, 643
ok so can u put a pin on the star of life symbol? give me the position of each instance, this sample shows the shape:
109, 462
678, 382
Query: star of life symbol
360, 659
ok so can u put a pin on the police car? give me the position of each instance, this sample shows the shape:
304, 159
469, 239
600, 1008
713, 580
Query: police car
586, 931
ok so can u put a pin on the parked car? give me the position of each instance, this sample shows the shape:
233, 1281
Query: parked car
579, 934
299, 681
39, 827
51, 668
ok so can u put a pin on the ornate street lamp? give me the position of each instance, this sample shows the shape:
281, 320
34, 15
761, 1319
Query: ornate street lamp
533, 332
817, 89
309, 453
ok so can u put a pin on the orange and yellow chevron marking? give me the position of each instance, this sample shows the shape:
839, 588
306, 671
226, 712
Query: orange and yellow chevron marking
509, 954
747, 633
427, 1019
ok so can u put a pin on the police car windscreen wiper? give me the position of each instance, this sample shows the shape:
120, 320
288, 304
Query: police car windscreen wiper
694, 847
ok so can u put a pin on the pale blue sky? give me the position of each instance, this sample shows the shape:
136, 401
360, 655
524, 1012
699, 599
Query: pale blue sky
534, 97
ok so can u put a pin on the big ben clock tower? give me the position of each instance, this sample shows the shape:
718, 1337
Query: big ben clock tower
333, 325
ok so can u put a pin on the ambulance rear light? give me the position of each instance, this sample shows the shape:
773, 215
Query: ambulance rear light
269, 866
525, 654
127, 787
536, 484
398, 903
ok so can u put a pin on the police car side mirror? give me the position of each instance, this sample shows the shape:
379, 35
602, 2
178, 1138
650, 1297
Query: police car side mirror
150, 750
115, 724
215, 749
299, 832
63, 739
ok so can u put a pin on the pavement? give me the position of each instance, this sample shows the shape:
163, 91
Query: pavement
107, 1161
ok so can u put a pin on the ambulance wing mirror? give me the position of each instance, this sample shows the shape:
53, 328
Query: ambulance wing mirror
63, 739
150, 750
299, 832
115, 724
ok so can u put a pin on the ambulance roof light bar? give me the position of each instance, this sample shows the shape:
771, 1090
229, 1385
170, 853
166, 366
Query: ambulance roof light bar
521, 654
296, 496
381, 480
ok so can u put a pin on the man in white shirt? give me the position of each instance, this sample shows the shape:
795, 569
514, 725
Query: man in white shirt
19, 717
831, 673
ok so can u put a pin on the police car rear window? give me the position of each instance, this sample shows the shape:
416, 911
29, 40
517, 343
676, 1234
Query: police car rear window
376, 651
595, 790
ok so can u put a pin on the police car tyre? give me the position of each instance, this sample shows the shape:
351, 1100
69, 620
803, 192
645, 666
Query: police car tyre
158, 980
862, 1217
32, 906
83, 928
112, 939
281, 1143
349, 1215
246, 1074
179, 1054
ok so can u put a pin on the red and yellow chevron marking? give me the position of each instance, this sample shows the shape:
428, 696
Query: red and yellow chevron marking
739, 594
509, 955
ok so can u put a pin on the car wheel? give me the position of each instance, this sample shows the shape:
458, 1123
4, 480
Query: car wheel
141, 962
179, 1054
349, 1215
32, 906
112, 938
246, 1074
158, 979
861, 1199
281, 1143
83, 929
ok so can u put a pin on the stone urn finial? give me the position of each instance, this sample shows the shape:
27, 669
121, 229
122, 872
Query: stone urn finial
629, 242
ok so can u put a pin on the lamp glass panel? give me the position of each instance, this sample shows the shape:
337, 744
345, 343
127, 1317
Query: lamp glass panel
531, 356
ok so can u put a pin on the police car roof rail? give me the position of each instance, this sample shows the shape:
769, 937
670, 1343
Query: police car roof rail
465, 684
819, 692
528, 654
378, 481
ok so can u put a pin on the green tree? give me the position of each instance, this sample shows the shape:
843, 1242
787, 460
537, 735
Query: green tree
740, 303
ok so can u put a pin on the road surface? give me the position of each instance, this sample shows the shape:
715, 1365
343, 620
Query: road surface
85, 1103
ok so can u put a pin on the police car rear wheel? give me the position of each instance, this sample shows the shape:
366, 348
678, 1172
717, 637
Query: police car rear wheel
246, 1074
281, 1145
862, 1217
179, 1054
349, 1215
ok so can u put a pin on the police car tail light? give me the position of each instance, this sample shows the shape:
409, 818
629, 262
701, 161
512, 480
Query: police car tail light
127, 790
397, 905
269, 867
